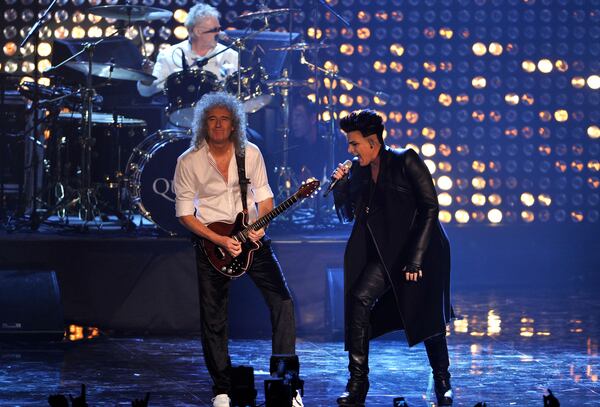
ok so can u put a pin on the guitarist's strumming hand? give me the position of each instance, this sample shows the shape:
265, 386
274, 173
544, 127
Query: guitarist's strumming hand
256, 235
231, 245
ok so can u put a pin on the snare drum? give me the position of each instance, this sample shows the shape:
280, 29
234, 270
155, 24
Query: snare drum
184, 89
255, 93
149, 177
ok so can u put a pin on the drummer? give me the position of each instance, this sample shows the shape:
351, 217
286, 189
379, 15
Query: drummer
203, 27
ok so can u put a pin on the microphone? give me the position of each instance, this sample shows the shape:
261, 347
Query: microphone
333, 182
221, 35
184, 64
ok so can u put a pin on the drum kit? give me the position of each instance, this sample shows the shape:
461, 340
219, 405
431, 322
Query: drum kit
105, 164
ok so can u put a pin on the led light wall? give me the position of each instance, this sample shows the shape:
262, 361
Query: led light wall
501, 97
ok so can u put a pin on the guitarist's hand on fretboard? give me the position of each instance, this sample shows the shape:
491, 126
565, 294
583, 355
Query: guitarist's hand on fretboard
256, 235
232, 246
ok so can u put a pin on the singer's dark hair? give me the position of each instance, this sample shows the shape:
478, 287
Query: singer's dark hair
238, 116
366, 121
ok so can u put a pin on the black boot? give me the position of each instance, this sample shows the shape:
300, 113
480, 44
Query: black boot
437, 352
358, 355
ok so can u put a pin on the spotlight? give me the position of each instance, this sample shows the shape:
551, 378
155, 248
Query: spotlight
243, 393
285, 382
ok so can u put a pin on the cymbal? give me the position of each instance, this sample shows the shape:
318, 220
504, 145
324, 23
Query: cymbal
110, 70
303, 46
130, 12
268, 13
288, 83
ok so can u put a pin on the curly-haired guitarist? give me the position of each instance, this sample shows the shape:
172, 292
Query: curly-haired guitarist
209, 192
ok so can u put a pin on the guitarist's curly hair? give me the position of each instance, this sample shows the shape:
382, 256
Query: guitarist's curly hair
229, 102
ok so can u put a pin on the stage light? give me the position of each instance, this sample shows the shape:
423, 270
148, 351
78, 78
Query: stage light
479, 49
428, 150
445, 99
444, 216
180, 32
561, 65
95, 32
577, 216
446, 33
478, 183
528, 66
412, 117
561, 115
430, 166
495, 48
511, 98
527, 216
9, 49
479, 82
578, 82
577, 166
380, 67
478, 199
180, 15
444, 183
495, 199
429, 83
346, 100
347, 49
363, 33
363, 16
527, 199
462, 99
462, 216
445, 199
593, 82
413, 83
545, 65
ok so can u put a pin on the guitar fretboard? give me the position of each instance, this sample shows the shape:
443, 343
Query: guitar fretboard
264, 220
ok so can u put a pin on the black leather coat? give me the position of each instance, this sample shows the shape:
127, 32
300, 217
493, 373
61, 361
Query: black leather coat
403, 222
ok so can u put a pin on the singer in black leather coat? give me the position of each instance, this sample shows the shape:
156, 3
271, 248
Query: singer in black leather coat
403, 224
397, 260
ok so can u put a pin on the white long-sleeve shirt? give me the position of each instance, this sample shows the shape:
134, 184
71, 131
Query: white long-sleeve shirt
168, 61
200, 187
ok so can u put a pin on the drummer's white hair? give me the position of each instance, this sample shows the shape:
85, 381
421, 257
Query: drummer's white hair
197, 12
235, 107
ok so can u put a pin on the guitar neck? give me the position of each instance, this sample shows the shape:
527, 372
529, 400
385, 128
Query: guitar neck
265, 219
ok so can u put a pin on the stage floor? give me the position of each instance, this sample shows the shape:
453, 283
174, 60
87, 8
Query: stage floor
507, 347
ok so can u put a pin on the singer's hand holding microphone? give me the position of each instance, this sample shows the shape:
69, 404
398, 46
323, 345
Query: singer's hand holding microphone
340, 172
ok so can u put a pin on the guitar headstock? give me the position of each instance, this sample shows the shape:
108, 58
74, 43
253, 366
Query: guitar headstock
307, 188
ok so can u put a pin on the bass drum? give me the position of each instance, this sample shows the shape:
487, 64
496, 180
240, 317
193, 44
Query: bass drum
149, 177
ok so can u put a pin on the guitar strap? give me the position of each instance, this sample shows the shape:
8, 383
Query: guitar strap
240, 160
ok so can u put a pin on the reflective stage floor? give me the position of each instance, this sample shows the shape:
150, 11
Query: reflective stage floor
506, 348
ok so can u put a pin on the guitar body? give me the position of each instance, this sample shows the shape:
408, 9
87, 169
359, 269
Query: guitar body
220, 258
234, 267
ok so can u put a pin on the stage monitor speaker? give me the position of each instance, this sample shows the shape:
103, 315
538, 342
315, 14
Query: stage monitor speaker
30, 307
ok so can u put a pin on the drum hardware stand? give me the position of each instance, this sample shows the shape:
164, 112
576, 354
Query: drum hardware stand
85, 196
286, 182
330, 108
34, 219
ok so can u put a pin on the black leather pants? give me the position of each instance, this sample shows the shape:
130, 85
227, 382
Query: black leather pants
266, 273
371, 285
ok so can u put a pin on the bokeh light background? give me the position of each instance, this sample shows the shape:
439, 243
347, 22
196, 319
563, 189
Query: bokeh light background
501, 97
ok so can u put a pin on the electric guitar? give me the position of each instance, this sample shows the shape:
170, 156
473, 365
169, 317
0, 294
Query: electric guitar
234, 267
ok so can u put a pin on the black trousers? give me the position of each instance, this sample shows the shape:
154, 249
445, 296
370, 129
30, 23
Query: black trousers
266, 273
369, 287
